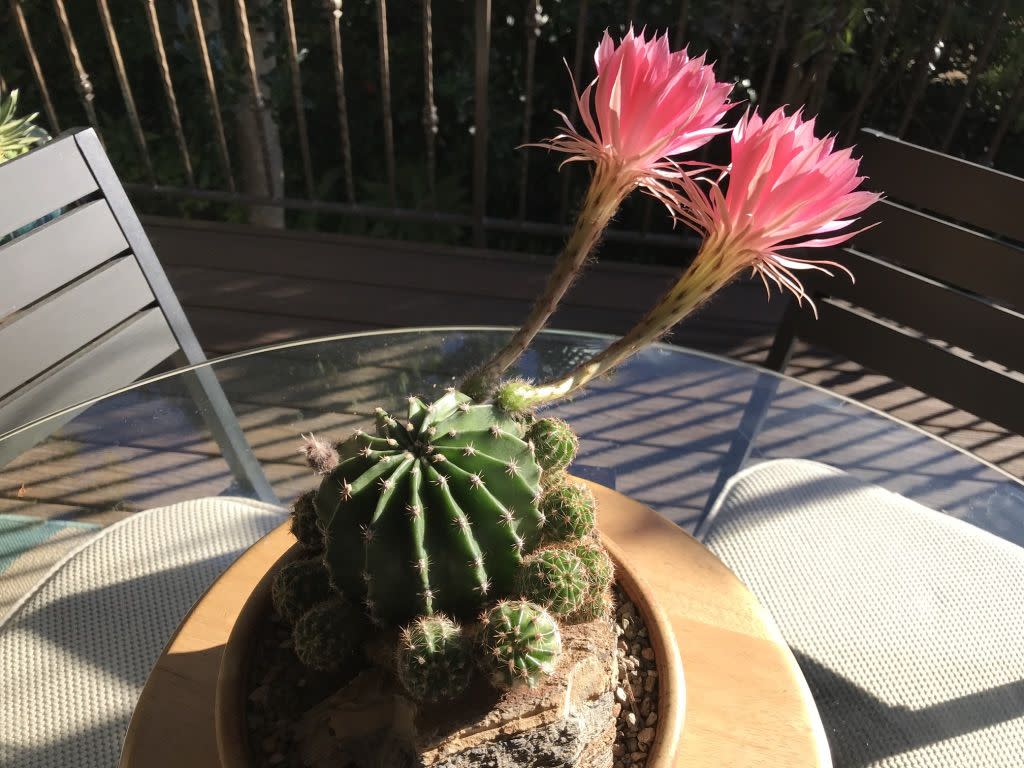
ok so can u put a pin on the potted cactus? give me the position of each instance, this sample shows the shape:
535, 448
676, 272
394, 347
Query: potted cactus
448, 561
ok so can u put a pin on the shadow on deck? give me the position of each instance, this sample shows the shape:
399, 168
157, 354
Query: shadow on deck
244, 287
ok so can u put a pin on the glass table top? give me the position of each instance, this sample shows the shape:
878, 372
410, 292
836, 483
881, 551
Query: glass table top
660, 429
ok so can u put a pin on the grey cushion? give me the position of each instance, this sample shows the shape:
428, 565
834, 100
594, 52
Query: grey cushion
75, 653
908, 624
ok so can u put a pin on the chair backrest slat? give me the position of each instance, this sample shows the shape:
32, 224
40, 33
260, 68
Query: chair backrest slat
117, 358
25, 199
937, 304
56, 253
934, 309
953, 188
948, 252
951, 375
58, 325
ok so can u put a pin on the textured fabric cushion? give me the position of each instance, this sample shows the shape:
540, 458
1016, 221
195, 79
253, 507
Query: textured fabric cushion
75, 653
908, 624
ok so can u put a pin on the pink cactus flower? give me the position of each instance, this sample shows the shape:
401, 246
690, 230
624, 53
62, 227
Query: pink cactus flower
785, 186
647, 105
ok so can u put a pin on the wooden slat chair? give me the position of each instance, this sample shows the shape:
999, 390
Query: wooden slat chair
85, 306
938, 302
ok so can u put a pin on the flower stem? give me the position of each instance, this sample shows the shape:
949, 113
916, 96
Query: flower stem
607, 191
707, 274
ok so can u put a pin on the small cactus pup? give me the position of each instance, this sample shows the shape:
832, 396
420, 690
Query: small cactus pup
554, 442
511, 400
434, 514
520, 645
305, 524
329, 636
570, 511
555, 579
600, 572
433, 660
298, 587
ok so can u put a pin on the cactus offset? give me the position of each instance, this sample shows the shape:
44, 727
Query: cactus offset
433, 514
570, 512
433, 659
299, 586
305, 524
329, 636
555, 444
555, 579
600, 573
521, 644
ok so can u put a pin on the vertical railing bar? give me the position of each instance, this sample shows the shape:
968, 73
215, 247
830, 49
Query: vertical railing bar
773, 57
532, 9
430, 121
37, 70
823, 70
83, 85
684, 16
168, 85
385, 92
794, 75
339, 90
882, 36
577, 71
126, 89
300, 110
1005, 121
921, 69
976, 69
259, 105
211, 93
482, 36
727, 49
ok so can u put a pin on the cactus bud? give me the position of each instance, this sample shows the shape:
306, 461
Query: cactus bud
521, 645
554, 442
433, 659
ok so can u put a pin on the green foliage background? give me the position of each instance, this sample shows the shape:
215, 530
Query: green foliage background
742, 30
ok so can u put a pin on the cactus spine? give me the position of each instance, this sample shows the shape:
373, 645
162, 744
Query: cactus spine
298, 587
555, 579
328, 637
570, 512
521, 644
433, 514
554, 442
433, 660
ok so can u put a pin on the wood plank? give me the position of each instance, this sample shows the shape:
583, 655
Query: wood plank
42, 181
935, 309
956, 189
36, 338
951, 375
56, 253
114, 360
948, 252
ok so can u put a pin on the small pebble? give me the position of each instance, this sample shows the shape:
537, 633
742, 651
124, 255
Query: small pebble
631, 719
647, 654
620, 693
651, 719
646, 736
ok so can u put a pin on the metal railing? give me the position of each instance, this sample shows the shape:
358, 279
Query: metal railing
946, 85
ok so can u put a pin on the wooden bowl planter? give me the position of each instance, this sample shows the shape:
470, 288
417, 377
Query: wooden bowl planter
746, 702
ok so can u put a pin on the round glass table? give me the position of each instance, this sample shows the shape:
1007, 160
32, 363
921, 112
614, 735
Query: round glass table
668, 429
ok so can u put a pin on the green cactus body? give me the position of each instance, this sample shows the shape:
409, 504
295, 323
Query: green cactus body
599, 566
433, 514
433, 659
555, 579
329, 636
554, 442
305, 525
299, 586
520, 644
598, 606
570, 512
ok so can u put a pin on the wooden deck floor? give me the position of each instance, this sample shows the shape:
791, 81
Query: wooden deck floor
243, 287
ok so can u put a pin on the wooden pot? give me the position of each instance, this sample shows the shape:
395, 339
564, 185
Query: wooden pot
232, 734
746, 701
